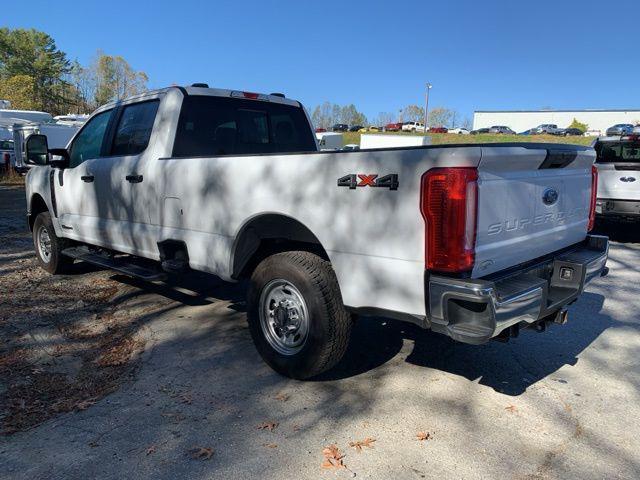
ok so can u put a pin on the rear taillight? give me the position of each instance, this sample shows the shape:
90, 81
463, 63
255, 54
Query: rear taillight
594, 197
448, 202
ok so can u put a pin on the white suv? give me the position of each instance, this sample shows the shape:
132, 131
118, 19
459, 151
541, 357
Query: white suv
413, 127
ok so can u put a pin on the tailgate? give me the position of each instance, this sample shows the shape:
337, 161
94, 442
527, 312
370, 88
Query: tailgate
532, 200
619, 181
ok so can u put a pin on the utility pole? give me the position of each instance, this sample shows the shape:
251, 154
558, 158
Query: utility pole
426, 106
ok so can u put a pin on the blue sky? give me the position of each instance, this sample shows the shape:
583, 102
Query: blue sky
479, 55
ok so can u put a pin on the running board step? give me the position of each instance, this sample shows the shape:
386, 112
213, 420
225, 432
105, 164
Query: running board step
120, 264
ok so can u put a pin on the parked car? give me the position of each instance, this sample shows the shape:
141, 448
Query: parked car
618, 162
527, 132
548, 128
572, 132
413, 127
502, 130
355, 128
149, 212
459, 131
479, 131
340, 127
320, 130
593, 133
393, 127
620, 129
7, 155
438, 130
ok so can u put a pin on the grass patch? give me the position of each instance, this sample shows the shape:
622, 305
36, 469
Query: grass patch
449, 138
11, 178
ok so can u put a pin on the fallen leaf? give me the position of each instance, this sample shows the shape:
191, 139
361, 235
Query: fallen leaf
151, 449
83, 405
201, 453
282, 397
332, 457
270, 445
367, 442
186, 398
271, 426
421, 436
511, 408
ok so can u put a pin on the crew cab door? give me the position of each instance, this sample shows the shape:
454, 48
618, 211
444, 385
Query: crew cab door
76, 200
122, 182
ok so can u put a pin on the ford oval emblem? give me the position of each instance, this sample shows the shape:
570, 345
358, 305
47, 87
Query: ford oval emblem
627, 179
550, 196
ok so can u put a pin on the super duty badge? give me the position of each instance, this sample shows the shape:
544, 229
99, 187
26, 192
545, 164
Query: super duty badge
354, 180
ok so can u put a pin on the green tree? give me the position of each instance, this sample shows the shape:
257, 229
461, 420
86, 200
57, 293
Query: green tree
583, 127
34, 54
20, 91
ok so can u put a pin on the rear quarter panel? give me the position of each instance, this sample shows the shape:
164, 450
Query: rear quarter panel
373, 236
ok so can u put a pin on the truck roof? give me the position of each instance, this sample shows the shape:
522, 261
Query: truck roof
212, 92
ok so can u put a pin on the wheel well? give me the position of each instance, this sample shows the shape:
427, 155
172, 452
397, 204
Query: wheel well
269, 234
38, 205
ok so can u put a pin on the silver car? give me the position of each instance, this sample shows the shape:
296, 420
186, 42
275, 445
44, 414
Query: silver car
620, 129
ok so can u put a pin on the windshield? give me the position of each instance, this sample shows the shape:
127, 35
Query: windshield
618, 152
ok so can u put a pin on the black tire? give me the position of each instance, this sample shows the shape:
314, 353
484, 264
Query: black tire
329, 323
54, 262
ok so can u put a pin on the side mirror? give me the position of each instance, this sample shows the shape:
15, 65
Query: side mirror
36, 150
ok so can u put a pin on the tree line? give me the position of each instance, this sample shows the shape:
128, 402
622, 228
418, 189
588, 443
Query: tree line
36, 75
327, 114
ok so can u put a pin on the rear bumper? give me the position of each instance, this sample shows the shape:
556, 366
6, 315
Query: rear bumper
606, 208
476, 310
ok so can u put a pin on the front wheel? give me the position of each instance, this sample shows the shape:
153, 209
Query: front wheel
48, 246
296, 316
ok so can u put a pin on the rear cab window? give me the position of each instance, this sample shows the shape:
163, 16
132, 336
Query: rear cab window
134, 128
624, 151
215, 126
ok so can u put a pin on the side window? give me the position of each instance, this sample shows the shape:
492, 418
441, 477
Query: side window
88, 143
134, 128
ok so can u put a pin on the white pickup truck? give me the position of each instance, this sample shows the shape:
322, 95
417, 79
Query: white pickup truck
618, 162
473, 241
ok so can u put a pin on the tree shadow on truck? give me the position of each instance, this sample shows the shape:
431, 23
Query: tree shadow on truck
509, 368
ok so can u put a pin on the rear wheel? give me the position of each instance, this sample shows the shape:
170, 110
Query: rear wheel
296, 316
48, 246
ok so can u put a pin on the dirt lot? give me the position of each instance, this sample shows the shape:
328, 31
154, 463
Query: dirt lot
105, 377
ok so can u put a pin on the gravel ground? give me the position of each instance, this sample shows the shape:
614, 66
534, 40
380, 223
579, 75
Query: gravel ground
162, 381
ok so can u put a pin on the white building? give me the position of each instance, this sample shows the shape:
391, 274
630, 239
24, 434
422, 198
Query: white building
521, 120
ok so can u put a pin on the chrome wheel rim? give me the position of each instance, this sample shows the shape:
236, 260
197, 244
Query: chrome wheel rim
44, 244
284, 317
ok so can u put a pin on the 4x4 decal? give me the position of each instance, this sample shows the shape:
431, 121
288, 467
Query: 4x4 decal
354, 180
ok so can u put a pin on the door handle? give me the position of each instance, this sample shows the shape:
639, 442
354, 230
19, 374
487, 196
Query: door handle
87, 178
134, 178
